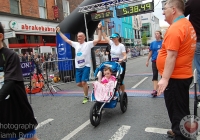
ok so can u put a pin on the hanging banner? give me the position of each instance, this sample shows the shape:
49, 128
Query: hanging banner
56, 12
64, 51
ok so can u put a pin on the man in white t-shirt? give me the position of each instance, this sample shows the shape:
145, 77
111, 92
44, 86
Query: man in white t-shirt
82, 58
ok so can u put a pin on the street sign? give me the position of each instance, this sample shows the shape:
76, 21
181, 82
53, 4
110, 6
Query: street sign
9, 34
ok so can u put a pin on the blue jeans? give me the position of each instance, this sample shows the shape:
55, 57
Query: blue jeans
197, 62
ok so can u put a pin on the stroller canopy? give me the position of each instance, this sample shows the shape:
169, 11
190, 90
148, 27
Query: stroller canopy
112, 64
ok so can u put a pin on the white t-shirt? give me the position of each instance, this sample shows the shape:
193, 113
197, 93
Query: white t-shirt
116, 51
82, 53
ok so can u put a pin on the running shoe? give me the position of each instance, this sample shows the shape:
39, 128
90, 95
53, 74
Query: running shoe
154, 94
85, 100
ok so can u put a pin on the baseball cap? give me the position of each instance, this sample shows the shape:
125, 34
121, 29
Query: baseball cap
114, 36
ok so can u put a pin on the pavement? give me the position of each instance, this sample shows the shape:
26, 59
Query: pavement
64, 117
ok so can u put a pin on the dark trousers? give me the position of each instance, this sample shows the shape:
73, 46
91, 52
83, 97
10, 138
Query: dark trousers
177, 102
155, 71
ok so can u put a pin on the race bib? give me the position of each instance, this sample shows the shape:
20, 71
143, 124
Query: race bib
115, 58
80, 59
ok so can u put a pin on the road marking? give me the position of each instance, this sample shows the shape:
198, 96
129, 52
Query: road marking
140, 82
160, 131
192, 86
70, 135
156, 130
123, 130
43, 123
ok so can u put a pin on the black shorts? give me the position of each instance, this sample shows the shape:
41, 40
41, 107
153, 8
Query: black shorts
123, 65
155, 71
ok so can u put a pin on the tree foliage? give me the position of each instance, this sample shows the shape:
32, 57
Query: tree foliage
144, 39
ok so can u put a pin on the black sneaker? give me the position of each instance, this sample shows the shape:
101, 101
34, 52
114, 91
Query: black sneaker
154, 94
170, 134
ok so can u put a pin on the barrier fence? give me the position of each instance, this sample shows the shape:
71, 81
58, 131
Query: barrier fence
55, 73
58, 72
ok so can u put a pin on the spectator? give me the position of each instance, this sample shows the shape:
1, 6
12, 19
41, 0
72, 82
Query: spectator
155, 46
108, 52
24, 58
99, 54
174, 63
51, 64
192, 8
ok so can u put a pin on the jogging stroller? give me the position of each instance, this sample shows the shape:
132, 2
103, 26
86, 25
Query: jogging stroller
115, 96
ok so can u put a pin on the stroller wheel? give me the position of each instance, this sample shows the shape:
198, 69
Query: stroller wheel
95, 115
123, 102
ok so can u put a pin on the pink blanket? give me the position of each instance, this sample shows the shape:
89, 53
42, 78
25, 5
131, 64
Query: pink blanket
103, 92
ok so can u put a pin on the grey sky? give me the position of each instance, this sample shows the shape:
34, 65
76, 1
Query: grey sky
158, 12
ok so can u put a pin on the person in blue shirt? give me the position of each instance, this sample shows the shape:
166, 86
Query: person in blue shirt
155, 46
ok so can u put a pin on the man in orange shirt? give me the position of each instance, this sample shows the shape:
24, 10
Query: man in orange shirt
174, 63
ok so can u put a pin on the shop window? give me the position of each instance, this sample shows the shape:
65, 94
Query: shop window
49, 39
42, 8
19, 39
138, 32
66, 10
14, 6
33, 39
135, 34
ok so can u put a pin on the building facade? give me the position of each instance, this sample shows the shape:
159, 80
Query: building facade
137, 26
30, 25
123, 26
150, 24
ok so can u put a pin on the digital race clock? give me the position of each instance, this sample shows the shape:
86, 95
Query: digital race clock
102, 15
136, 9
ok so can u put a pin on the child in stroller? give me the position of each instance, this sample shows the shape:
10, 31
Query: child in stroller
106, 91
107, 71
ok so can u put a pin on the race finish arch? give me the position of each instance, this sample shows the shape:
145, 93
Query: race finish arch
85, 19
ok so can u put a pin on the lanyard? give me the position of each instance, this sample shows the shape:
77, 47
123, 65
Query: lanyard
178, 18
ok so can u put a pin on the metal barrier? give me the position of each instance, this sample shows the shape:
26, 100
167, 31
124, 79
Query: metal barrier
58, 72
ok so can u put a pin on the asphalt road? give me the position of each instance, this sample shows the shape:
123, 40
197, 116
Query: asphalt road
63, 116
